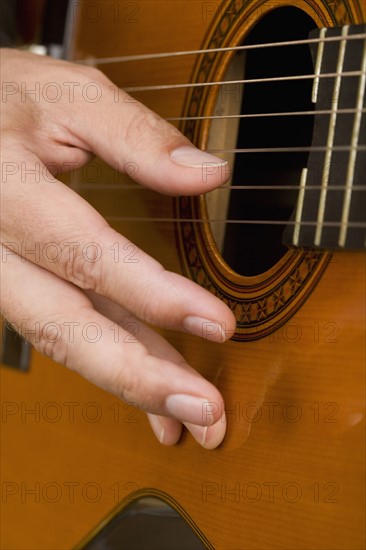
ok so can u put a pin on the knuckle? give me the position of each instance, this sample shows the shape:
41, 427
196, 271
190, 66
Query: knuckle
51, 343
83, 272
129, 379
141, 123
126, 385
52, 349
146, 125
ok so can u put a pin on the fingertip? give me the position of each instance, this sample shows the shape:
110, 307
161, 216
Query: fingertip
167, 430
192, 408
210, 330
191, 157
185, 170
209, 437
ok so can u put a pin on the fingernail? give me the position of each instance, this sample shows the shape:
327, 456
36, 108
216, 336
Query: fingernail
188, 408
209, 437
198, 432
194, 158
208, 330
157, 427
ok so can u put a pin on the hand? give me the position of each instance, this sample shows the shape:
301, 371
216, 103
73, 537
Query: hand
51, 298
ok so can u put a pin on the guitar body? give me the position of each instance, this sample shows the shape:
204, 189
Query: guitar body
290, 472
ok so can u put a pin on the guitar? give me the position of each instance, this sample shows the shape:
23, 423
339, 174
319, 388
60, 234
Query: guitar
287, 258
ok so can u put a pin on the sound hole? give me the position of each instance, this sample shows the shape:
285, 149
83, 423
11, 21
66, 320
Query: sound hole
250, 249
148, 523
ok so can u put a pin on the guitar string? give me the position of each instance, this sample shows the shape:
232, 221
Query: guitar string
331, 136
352, 157
261, 115
247, 81
315, 148
167, 87
136, 187
144, 57
356, 225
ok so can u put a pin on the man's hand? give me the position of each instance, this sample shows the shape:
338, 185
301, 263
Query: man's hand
52, 298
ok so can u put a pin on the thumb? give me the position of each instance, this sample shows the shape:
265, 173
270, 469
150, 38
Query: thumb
128, 132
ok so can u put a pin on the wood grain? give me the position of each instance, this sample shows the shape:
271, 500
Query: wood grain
290, 471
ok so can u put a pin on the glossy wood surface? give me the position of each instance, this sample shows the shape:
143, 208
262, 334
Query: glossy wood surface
290, 472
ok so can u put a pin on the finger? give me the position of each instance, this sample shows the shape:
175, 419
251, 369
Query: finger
209, 437
164, 159
130, 132
167, 430
50, 306
91, 114
65, 235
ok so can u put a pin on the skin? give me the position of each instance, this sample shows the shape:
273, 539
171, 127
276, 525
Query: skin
47, 301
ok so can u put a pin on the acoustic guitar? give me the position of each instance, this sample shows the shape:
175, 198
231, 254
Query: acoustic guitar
277, 87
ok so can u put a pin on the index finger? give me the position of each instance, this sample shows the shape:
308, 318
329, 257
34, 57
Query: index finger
61, 322
80, 248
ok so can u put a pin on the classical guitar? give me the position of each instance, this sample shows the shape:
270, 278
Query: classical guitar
278, 88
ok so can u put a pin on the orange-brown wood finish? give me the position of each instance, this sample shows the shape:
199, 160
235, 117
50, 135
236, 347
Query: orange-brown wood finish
290, 471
